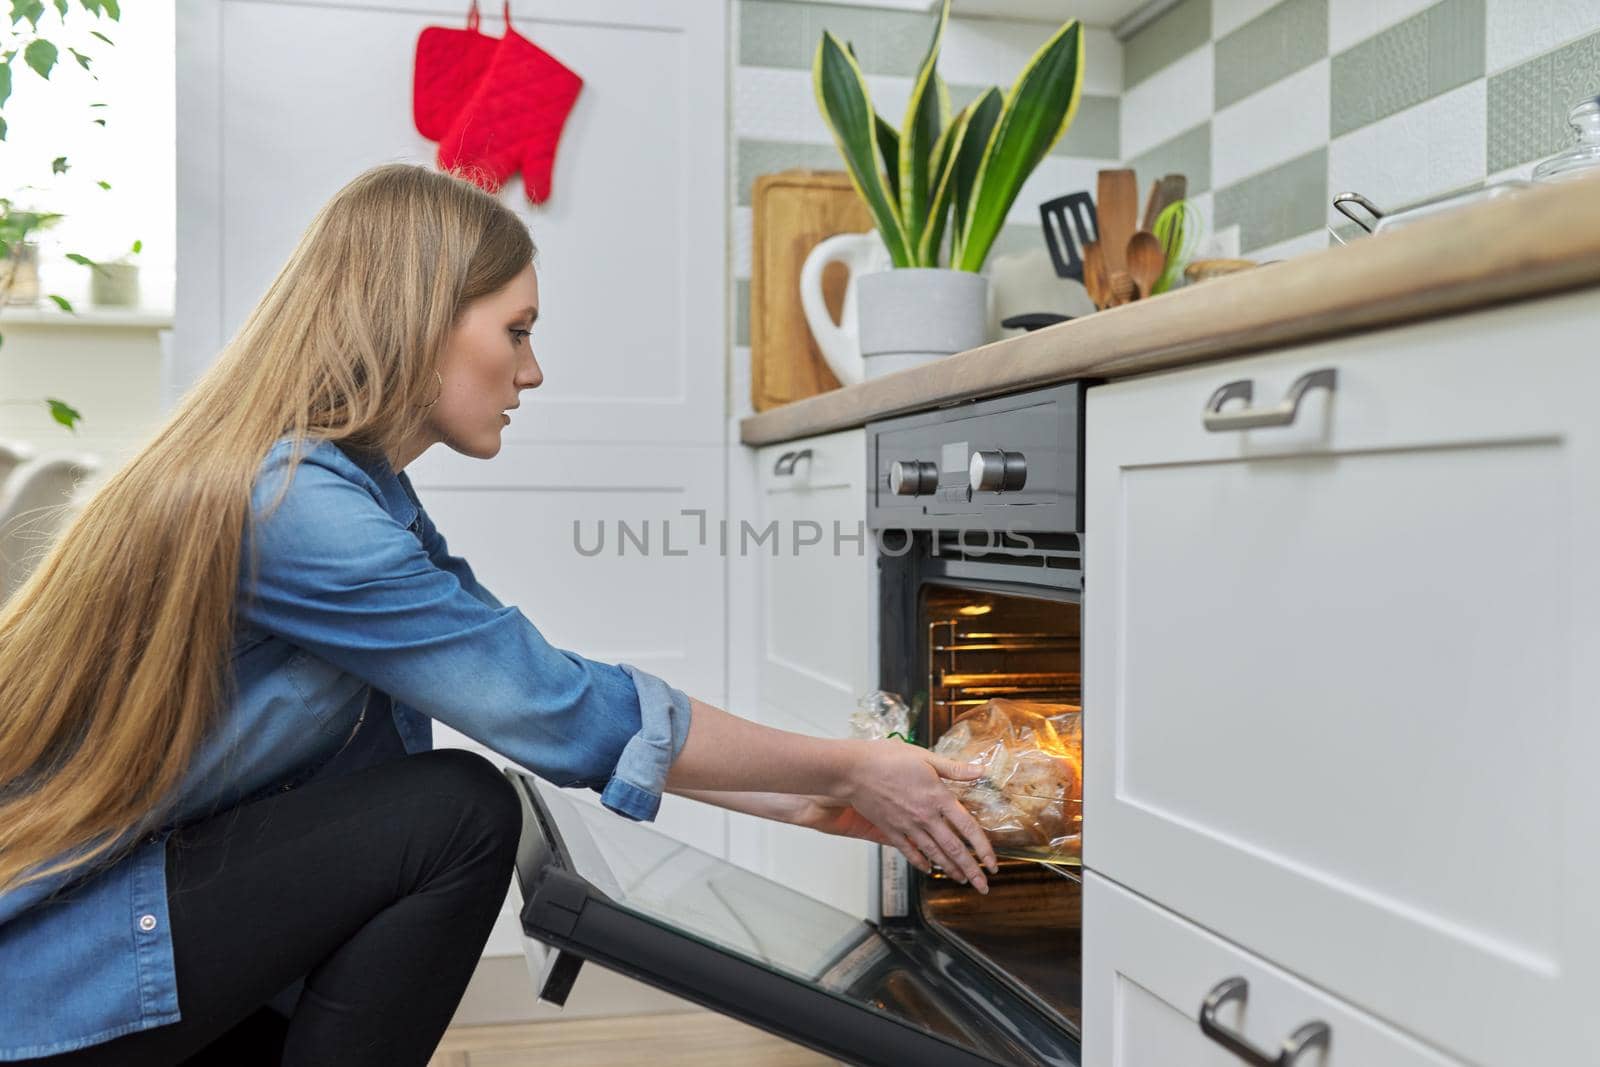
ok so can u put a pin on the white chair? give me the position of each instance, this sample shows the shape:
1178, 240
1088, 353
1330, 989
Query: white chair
12, 455
35, 503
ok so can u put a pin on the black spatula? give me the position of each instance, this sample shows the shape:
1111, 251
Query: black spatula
1069, 223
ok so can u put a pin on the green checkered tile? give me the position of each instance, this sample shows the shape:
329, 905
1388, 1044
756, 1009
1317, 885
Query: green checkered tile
1188, 154
1270, 47
1277, 204
753, 158
1433, 52
1528, 103
1175, 34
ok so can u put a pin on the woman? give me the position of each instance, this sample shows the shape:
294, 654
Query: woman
216, 783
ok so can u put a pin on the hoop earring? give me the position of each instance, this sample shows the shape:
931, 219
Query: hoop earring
436, 395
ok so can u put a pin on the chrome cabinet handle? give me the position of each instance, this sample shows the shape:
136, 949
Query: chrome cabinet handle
786, 462
1218, 421
1310, 1035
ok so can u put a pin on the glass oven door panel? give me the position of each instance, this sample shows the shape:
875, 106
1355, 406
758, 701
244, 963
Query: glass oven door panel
599, 888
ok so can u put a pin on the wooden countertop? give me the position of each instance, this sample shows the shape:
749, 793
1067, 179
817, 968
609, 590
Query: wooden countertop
1542, 241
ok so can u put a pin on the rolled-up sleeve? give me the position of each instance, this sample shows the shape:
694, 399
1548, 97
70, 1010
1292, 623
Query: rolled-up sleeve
335, 574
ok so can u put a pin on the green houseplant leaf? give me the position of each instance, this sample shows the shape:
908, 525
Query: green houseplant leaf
985, 113
947, 153
889, 148
1037, 111
927, 114
842, 95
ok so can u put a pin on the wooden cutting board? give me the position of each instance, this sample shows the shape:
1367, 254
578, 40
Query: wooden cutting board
791, 212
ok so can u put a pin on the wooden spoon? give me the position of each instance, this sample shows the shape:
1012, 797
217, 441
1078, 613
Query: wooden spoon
1094, 275
1117, 211
1123, 288
1146, 260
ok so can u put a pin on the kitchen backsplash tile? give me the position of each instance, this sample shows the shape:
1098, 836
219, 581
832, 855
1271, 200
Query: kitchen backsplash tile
1229, 15
1173, 100
1528, 103
1407, 113
783, 33
1273, 45
1175, 33
764, 157
741, 312
1285, 120
1423, 56
1353, 21
1277, 204
1518, 30
1188, 154
1432, 148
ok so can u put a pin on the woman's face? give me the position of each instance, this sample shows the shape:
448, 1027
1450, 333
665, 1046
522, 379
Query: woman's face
487, 363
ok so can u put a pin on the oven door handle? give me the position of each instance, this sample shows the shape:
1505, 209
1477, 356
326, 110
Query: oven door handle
1310, 1035
1283, 414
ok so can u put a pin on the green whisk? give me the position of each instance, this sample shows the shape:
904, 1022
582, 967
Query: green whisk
1178, 229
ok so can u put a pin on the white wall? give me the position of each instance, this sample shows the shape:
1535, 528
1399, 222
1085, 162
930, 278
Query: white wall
133, 151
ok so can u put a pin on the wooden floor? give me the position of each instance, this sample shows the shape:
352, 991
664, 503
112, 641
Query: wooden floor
692, 1039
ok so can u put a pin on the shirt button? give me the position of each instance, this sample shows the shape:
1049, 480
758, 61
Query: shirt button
147, 923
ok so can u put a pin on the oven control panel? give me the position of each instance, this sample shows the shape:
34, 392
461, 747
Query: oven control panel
1006, 461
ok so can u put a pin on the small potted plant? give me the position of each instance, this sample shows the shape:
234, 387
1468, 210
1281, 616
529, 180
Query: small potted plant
113, 283
965, 168
19, 257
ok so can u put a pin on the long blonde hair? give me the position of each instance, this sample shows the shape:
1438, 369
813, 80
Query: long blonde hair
114, 654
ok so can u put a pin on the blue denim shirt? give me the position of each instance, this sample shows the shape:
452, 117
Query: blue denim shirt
362, 630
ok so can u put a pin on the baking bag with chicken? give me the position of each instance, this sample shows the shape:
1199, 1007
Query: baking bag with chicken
1030, 799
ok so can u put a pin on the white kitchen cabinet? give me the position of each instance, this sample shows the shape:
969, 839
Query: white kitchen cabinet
800, 634
1146, 973
814, 597
1343, 673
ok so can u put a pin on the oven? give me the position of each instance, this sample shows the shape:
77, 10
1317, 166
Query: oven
974, 513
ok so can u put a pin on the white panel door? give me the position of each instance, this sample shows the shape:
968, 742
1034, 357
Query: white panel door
1344, 672
283, 101
1146, 973
591, 543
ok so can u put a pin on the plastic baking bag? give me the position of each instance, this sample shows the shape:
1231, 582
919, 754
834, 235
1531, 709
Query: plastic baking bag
1030, 799
881, 714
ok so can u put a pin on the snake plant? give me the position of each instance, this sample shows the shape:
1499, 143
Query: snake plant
964, 170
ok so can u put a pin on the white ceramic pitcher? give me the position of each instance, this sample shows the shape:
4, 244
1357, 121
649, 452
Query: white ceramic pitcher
840, 343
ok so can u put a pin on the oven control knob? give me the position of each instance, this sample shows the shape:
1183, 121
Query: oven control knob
913, 477
997, 472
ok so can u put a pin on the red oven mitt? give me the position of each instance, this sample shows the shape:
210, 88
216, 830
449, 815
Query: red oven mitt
450, 64
513, 118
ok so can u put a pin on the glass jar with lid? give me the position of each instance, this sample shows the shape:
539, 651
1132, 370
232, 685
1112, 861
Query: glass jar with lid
1583, 157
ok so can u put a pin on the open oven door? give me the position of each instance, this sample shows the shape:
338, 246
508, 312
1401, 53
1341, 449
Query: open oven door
600, 888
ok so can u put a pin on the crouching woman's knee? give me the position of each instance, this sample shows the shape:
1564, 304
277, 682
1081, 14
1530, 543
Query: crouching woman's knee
482, 799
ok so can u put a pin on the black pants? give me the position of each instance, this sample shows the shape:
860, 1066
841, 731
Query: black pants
377, 887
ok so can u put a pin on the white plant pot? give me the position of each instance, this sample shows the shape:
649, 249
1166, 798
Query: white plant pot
912, 316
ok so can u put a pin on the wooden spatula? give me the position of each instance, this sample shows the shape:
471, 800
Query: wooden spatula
1167, 190
1118, 215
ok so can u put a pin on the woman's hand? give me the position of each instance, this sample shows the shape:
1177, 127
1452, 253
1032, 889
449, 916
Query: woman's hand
898, 788
832, 816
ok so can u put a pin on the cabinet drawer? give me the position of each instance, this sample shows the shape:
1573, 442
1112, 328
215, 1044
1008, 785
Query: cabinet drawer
1343, 672
1147, 971
825, 461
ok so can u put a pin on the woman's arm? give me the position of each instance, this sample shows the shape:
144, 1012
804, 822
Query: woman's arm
895, 786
